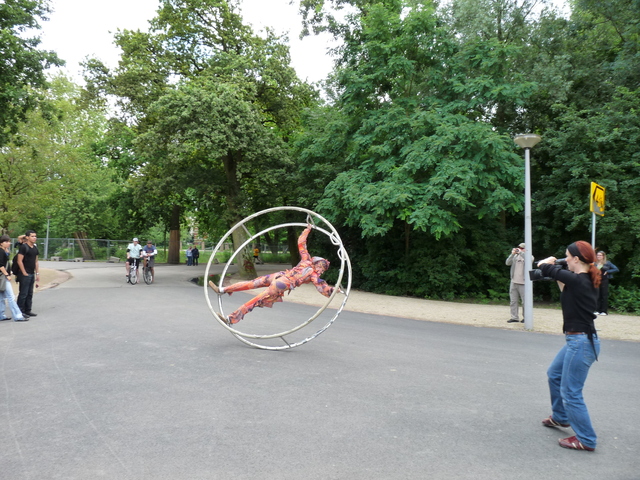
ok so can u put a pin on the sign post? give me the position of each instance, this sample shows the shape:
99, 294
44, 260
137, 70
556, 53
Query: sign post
596, 205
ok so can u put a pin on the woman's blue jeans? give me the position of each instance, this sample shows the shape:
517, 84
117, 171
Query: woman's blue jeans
8, 296
567, 374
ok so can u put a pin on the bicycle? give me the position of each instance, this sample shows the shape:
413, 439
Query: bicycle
133, 271
146, 272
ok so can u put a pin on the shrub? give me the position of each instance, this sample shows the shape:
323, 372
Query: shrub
624, 299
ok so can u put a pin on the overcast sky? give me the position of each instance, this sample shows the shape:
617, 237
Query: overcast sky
80, 28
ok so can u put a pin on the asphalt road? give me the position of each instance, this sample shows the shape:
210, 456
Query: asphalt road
113, 381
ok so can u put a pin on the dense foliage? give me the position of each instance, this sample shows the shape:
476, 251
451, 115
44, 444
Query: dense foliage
212, 106
422, 170
22, 64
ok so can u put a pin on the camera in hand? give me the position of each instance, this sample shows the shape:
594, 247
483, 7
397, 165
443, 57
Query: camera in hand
537, 274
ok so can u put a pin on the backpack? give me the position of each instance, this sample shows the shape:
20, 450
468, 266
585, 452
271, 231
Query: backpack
15, 269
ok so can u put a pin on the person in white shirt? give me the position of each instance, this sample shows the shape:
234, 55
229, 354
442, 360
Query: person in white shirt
134, 250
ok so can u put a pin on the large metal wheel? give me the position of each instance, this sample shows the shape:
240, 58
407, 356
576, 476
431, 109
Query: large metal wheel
292, 335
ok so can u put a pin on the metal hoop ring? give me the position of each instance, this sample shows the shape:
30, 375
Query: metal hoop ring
345, 265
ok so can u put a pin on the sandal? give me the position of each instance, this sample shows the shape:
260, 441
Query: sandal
214, 287
225, 320
574, 444
550, 422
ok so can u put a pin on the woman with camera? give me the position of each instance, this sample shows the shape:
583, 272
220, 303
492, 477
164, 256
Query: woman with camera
567, 373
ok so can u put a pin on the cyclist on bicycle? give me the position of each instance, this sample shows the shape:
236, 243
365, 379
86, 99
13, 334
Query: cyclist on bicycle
149, 252
133, 256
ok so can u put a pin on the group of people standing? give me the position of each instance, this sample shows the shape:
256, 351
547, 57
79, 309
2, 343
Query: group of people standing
27, 273
193, 254
584, 285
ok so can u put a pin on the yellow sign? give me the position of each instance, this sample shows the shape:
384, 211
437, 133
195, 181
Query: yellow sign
597, 199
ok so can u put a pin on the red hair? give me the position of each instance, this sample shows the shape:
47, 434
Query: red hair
588, 255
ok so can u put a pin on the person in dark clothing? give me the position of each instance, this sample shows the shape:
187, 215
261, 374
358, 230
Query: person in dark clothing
607, 269
195, 253
29, 272
568, 371
19, 242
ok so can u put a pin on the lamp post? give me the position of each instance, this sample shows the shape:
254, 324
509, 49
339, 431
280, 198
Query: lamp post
46, 243
527, 141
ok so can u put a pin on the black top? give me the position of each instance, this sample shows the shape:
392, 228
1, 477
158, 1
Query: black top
30, 257
4, 258
578, 298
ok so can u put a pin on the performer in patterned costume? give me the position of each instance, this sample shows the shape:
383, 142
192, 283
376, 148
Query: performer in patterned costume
309, 269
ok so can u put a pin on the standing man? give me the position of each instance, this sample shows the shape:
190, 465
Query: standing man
133, 256
195, 253
29, 272
516, 290
150, 252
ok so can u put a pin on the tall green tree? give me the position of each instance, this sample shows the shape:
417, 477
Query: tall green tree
51, 167
591, 136
206, 40
23, 64
208, 135
424, 160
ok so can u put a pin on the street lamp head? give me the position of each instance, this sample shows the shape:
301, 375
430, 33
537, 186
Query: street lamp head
527, 140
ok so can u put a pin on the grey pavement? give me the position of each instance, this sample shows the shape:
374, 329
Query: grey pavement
113, 381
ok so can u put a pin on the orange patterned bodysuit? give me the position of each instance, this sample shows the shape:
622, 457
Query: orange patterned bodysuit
308, 270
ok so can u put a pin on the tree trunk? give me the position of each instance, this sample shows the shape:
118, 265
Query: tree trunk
174, 236
85, 246
272, 242
244, 260
407, 238
292, 241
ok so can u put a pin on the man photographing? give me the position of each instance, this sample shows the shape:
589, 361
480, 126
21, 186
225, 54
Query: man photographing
516, 289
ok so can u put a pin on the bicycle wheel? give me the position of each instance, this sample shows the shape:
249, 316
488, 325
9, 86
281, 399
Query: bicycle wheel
133, 276
148, 278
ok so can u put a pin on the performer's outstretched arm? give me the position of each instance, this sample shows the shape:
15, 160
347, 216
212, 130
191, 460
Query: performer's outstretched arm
323, 287
302, 244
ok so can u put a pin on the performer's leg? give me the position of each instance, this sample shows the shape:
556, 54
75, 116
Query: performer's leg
267, 298
259, 282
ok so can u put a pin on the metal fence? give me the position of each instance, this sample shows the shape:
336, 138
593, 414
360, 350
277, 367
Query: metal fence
87, 249
104, 249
